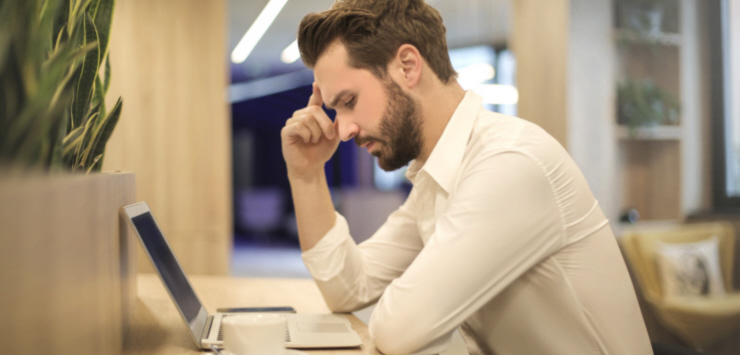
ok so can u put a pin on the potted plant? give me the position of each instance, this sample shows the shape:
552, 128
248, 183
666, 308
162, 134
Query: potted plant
66, 248
52, 88
643, 16
641, 103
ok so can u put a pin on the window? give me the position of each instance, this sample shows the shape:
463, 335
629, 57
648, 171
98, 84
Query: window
725, 51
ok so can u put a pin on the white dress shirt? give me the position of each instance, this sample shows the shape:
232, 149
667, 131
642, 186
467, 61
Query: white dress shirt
501, 237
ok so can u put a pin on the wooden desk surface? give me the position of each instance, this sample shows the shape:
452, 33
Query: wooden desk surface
158, 328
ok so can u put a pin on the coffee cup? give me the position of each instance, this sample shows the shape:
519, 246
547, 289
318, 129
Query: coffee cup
254, 334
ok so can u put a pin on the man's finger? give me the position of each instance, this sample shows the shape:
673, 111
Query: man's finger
313, 126
315, 98
297, 130
324, 122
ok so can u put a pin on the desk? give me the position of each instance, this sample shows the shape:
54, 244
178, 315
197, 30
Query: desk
157, 327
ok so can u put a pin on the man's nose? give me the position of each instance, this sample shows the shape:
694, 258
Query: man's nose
348, 129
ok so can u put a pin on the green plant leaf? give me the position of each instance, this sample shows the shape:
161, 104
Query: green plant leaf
642, 103
106, 82
56, 162
39, 112
99, 98
105, 130
55, 69
87, 137
77, 11
94, 166
103, 18
92, 9
87, 133
90, 68
60, 22
76, 40
72, 141
72, 16
5, 34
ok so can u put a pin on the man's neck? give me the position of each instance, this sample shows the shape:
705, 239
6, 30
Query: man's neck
438, 103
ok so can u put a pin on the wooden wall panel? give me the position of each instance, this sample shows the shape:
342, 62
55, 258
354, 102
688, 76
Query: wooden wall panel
540, 42
649, 170
169, 63
63, 289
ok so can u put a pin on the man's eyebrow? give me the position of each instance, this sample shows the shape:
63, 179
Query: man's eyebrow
336, 99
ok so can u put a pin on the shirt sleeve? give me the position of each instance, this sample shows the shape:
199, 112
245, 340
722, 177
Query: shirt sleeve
502, 220
352, 276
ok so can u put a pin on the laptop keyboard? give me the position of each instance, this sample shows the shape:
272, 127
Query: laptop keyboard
221, 333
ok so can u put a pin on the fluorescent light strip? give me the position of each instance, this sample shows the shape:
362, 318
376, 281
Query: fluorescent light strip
257, 30
291, 53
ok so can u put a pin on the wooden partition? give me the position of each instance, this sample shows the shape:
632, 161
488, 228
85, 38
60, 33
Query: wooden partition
66, 282
169, 63
540, 38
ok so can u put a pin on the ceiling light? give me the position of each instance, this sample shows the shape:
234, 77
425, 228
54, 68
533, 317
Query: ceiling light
257, 30
291, 53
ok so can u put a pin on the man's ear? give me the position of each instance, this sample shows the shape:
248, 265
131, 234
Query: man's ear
407, 65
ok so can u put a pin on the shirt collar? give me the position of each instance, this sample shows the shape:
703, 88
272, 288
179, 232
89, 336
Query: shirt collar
443, 162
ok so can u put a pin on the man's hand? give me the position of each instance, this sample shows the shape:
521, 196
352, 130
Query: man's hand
309, 138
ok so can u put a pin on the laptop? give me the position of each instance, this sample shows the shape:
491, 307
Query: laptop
305, 331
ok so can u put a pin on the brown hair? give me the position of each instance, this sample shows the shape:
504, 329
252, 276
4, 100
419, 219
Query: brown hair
373, 30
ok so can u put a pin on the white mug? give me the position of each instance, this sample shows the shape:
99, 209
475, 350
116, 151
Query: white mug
254, 334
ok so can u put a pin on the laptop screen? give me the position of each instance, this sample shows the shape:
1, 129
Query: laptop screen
168, 267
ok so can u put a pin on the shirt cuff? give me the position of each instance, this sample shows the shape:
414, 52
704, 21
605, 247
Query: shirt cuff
326, 259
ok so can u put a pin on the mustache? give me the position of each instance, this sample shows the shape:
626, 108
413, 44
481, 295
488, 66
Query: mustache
360, 141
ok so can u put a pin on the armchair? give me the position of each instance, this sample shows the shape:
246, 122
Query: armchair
699, 321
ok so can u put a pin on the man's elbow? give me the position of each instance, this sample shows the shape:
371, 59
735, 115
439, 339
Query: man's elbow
344, 299
336, 307
389, 341
344, 304
396, 339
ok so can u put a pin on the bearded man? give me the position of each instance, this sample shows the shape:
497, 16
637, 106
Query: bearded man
500, 236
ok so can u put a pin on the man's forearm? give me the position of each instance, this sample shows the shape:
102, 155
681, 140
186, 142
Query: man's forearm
314, 209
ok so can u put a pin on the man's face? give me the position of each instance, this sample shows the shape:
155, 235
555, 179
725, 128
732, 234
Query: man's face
377, 113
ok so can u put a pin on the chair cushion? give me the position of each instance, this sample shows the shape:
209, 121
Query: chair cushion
690, 269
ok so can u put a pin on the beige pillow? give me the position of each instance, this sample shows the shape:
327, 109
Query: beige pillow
691, 269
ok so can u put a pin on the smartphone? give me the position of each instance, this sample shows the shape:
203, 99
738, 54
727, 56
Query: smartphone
285, 309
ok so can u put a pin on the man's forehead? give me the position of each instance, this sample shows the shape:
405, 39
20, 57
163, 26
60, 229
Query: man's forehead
331, 66
335, 77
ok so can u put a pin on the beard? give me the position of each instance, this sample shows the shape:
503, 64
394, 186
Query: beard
400, 128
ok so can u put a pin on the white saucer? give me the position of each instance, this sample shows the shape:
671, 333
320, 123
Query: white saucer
287, 352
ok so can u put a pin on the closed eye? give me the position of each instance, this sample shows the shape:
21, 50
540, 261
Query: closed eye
350, 103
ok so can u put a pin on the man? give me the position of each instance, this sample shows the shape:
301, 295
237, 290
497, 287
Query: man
500, 235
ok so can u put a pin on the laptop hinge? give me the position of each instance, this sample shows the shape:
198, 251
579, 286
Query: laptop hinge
207, 328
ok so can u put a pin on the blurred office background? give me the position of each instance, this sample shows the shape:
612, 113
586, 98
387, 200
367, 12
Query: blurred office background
202, 121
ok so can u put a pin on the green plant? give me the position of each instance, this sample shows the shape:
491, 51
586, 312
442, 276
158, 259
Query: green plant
648, 16
51, 89
642, 103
